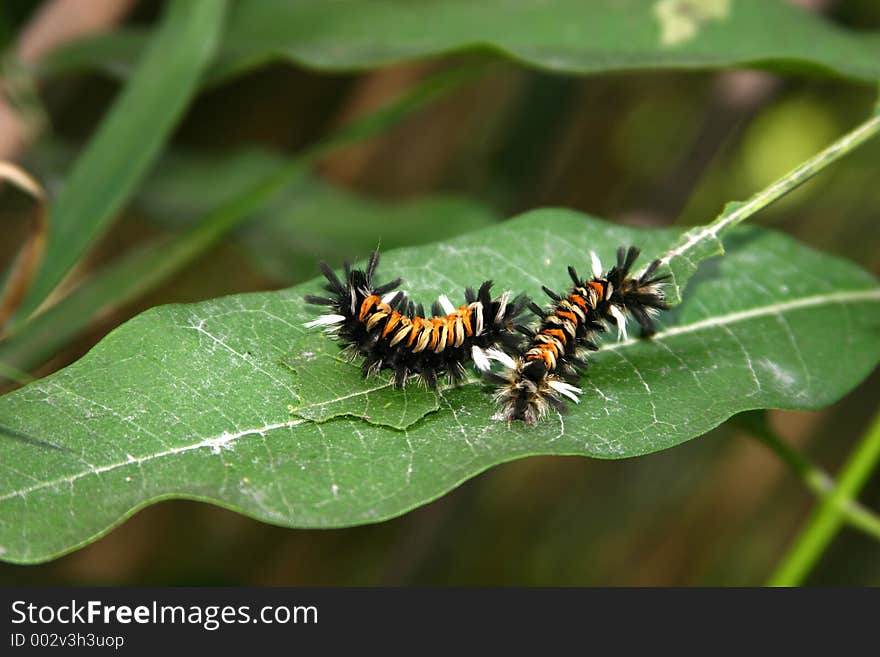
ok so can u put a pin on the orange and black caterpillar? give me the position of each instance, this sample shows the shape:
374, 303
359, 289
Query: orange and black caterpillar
544, 373
390, 332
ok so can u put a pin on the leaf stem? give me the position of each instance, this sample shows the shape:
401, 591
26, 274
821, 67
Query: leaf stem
827, 518
736, 212
785, 184
814, 478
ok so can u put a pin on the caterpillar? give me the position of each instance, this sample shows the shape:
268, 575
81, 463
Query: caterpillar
379, 323
545, 372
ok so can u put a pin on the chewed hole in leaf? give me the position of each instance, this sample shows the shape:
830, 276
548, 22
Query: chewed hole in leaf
329, 385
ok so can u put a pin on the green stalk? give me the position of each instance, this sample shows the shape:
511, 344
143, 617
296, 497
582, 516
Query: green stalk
795, 178
815, 479
703, 242
827, 518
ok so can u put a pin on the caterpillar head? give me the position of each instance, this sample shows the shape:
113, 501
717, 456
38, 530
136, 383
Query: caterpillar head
527, 392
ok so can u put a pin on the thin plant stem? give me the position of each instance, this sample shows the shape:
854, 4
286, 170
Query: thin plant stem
787, 183
826, 519
691, 249
814, 478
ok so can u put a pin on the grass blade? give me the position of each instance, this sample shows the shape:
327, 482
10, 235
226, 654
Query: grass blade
129, 139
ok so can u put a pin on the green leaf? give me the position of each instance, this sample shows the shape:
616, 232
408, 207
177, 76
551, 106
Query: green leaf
193, 400
129, 138
569, 36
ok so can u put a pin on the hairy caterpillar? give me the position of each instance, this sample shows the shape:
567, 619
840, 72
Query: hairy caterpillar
546, 370
380, 324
